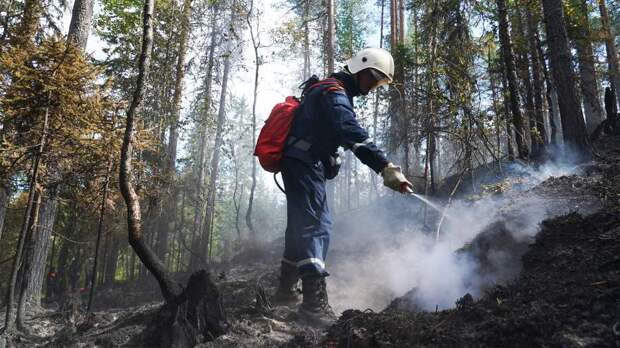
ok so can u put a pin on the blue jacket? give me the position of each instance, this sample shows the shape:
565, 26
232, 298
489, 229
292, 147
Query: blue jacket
326, 120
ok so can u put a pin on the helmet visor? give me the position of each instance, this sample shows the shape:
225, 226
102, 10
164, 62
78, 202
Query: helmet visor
380, 78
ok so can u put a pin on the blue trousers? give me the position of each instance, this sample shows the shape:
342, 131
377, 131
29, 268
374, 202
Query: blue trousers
309, 222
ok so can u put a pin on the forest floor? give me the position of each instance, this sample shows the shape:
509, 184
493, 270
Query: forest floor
556, 286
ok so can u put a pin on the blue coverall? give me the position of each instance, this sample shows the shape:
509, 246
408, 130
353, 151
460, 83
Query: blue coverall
325, 121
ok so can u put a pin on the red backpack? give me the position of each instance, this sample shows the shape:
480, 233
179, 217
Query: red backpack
272, 138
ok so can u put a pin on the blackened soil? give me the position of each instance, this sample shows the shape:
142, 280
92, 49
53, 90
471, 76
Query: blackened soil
567, 296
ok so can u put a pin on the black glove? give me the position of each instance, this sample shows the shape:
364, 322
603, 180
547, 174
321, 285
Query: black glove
331, 165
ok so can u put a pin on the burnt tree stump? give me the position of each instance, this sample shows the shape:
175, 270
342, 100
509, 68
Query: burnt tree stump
195, 316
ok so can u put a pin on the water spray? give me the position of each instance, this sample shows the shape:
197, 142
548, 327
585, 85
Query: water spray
422, 198
407, 190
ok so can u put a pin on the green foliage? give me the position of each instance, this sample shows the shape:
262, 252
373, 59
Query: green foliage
119, 25
352, 19
289, 34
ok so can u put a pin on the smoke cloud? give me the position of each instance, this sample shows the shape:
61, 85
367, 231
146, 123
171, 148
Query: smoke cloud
385, 251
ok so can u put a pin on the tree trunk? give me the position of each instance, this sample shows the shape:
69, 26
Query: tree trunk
26, 276
202, 167
429, 168
306, 20
60, 286
496, 111
331, 30
157, 221
179, 234
611, 110
401, 21
189, 312
170, 289
552, 99
393, 21
612, 55
236, 195
375, 115
35, 260
104, 198
523, 71
81, 19
111, 260
540, 135
507, 122
215, 160
52, 276
433, 159
9, 321
573, 126
168, 214
4, 203
511, 76
256, 45
582, 36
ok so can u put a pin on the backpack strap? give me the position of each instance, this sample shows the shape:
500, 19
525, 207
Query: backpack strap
329, 85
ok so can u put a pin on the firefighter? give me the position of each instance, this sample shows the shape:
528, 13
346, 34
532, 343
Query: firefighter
324, 121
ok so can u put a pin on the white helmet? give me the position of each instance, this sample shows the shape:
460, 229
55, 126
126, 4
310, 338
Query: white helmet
375, 58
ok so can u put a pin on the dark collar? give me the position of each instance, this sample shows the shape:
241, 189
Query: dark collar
349, 82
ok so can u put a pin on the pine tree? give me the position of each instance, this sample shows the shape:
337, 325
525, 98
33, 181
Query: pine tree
573, 126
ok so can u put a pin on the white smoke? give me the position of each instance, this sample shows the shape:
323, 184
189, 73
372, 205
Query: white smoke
378, 258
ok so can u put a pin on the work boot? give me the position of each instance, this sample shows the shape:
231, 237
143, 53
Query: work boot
287, 293
315, 308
